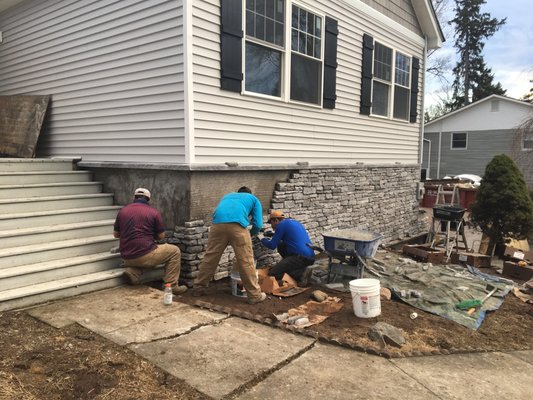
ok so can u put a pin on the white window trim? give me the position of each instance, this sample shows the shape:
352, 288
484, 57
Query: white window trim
391, 84
458, 148
286, 56
523, 140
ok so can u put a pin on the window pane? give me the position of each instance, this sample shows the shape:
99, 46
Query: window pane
280, 11
305, 79
260, 6
294, 40
269, 34
401, 103
264, 20
263, 70
380, 99
250, 23
260, 27
403, 70
458, 140
307, 26
301, 43
278, 34
317, 48
270, 5
382, 62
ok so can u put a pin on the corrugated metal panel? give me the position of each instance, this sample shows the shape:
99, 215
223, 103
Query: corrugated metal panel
231, 127
114, 69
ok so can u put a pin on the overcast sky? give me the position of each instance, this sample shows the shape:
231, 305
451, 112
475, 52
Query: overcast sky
509, 53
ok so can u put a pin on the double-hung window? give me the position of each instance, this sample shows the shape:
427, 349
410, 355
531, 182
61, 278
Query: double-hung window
527, 144
459, 140
283, 51
391, 84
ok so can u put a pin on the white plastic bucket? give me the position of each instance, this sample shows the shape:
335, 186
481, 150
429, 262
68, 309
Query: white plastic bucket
237, 288
365, 297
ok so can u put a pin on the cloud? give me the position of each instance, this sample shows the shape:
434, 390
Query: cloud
509, 53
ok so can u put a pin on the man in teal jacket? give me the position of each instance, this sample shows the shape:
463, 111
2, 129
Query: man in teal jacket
230, 226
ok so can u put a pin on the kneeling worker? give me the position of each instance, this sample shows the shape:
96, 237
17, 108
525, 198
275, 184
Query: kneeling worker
138, 225
290, 239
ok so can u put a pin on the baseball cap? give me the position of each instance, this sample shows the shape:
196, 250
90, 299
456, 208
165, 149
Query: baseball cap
276, 214
142, 192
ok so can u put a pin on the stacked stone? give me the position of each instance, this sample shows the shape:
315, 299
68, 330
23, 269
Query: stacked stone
379, 199
191, 238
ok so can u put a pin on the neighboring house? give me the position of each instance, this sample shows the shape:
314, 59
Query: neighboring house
464, 141
314, 104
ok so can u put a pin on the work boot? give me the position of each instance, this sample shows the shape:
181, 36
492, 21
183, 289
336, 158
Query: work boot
179, 289
259, 300
306, 276
132, 278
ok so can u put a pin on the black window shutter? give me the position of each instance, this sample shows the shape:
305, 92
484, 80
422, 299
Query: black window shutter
330, 63
414, 90
231, 35
366, 76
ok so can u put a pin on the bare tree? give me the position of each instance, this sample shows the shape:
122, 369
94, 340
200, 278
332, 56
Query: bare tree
439, 64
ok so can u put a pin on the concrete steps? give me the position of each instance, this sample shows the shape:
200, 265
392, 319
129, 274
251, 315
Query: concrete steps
55, 233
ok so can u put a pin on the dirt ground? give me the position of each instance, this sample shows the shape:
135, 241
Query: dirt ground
508, 328
38, 361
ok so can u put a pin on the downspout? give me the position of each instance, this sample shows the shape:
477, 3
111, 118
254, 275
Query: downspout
428, 171
438, 152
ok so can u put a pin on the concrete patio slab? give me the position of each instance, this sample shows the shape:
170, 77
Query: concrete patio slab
471, 376
126, 314
526, 356
330, 372
218, 359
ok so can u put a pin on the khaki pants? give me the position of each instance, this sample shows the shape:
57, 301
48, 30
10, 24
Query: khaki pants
239, 238
167, 254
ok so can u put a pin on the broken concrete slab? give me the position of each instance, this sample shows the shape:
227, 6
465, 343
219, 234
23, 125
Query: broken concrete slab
219, 359
386, 333
526, 355
126, 314
341, 374
472, 376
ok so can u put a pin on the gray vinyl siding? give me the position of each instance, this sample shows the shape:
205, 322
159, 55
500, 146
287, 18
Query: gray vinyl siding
400, 11
249, 129
113, 68
482, 146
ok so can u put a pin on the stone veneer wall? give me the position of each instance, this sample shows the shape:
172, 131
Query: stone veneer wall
380, 199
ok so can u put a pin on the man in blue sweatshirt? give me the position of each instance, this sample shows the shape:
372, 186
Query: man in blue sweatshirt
291, 239
230, 226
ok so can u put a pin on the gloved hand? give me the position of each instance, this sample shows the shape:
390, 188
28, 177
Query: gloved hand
268, 234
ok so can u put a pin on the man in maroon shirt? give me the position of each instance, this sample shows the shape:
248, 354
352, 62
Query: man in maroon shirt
138, 225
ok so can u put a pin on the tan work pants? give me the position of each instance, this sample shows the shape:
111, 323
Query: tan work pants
167, 254
239, 238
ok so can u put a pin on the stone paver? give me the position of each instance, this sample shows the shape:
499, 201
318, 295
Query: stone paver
331, 372
221, 355
218, 359
472, 376
126, 314
526, 356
